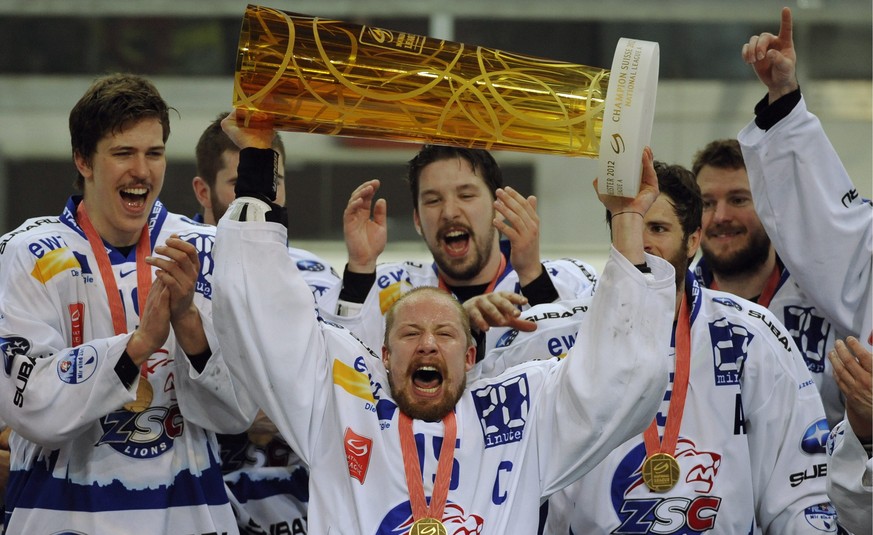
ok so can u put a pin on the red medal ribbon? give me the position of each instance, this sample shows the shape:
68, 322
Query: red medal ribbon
770, 287
491, 285
143, 271
414, 483
680, 389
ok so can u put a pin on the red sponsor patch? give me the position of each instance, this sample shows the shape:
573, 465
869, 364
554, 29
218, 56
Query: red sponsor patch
77, 313
358, 451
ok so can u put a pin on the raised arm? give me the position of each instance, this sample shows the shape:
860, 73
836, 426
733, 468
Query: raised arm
803, 195
774, 59
610, 384
272, 338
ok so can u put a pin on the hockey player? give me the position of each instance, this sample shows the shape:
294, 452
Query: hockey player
267, 483
738, 258
114, 382
821, 228
460, 209
824, 233
738, 443
383, 435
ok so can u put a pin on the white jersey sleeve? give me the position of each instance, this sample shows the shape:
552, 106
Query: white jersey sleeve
786, 482
811, 210
580, 389
37, 345
850, 479
255, 321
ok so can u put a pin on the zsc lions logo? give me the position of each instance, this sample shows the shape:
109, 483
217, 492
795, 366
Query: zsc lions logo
692, 510
142, 435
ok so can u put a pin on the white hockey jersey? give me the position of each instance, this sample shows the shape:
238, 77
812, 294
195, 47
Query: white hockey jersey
268, 485
812, 333
751, 443
820, 227
572, 278
80, 462
850, 479
521, 435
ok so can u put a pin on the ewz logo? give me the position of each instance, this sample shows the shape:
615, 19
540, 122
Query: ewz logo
503, 409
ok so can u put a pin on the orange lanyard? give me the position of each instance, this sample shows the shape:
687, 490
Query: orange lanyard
420, 507
143, 270
680, 390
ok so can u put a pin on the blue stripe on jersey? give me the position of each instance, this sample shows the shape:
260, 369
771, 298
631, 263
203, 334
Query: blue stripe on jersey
38, 488
295, 483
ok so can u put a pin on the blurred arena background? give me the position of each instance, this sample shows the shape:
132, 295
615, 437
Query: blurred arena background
53, 49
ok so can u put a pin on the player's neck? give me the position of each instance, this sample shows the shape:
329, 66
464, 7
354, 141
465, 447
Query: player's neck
108, 232
748, 284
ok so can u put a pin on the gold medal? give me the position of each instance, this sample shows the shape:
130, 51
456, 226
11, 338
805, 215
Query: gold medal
660, 472
427, 526
144, 396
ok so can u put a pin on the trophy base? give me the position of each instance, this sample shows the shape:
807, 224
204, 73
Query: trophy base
628, 116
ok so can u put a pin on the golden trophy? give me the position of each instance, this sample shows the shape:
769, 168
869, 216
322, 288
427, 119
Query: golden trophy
323, 76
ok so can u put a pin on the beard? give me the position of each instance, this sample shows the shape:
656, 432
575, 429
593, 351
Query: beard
432, 411
745, 260
680, 263
472, 264
218, 208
